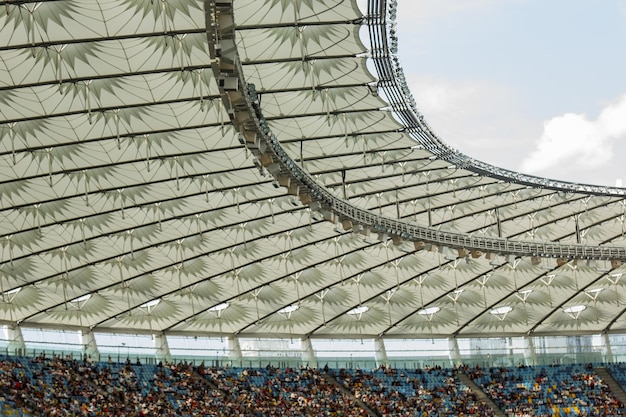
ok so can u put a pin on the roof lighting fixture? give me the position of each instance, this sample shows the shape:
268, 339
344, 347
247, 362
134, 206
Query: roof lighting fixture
523, 294
357, 312
81, 298
151, 303
12, 292
219, 307
289, 309
429, 311
501, 312
593, 293
574, 311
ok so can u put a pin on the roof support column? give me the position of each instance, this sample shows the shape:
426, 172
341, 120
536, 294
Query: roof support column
455, 352
234, 351
162, 347
609, 351
90, 347
529, 352
380, 353
308, 354
16, 341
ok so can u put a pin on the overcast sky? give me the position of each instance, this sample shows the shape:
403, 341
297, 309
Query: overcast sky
537, 86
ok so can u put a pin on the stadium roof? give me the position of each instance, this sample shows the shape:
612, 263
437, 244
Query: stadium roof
259, 168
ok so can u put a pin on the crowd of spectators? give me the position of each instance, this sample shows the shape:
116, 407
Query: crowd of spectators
284, 392
63, 386
559, 390
51, 387
404, 392
57, 386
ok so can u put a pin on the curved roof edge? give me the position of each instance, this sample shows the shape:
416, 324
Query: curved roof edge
384, 41
244, 109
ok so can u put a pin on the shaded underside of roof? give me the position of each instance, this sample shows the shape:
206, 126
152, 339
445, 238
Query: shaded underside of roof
129, 203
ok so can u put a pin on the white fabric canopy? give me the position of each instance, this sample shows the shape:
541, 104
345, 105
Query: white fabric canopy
127, 202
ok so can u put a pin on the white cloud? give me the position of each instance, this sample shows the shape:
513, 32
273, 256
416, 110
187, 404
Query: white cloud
479, 118
575, 140
500, 120
439, 96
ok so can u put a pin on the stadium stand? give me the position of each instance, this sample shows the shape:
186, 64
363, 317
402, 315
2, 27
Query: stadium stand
57, 386
413, 392
548, 391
